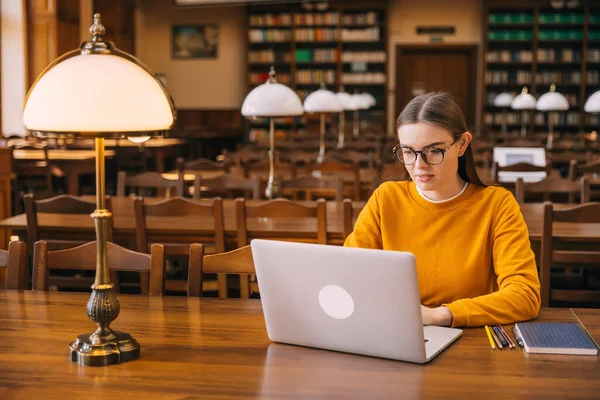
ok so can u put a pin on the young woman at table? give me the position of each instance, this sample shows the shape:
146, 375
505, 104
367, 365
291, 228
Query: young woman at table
474, 261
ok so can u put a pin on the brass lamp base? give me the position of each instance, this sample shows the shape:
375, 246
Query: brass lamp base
121, 349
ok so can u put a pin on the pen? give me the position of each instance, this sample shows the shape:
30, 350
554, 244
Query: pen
518, 337
508, 339
500, 336
498, 343
489, 335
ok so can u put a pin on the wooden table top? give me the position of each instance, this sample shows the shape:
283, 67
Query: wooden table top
210, 348
55, 154
292, 228
152, 142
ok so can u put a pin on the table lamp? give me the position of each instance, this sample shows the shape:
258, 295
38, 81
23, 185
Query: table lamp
592, 105
551, 102
523, 102
98, 91
322, 101
503, 100
272, 100
361, 104
347, 105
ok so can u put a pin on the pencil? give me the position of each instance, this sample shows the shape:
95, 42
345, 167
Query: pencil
498, 342
510, 342
487, 330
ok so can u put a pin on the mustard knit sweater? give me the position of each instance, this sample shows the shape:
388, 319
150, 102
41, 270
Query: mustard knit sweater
473, 252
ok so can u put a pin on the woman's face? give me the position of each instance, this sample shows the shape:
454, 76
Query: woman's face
437, 143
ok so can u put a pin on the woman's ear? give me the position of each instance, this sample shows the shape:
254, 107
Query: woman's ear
463, 142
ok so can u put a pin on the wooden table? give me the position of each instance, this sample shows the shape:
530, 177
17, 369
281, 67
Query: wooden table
70, 163
201, 348
304, 229
160, 148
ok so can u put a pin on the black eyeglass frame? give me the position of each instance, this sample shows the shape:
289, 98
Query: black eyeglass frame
422, 152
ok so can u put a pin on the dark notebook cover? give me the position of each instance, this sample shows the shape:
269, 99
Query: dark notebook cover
556, 338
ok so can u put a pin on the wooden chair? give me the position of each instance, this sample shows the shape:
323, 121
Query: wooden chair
30, 176
280, 209
550, 186
201, 164
181, 208
245, 155
239, 262
227, 186
15, 261
361, 158
576, 169
519, 167
63, 205
348, 217
84, 258
148, 181
311, 187
333, 167
555, 253
297, 157
285, 169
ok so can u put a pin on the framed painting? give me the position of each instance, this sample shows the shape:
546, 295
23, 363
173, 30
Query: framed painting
194, 41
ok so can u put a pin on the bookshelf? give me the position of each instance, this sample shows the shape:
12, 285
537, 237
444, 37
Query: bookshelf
528, 43
344, 45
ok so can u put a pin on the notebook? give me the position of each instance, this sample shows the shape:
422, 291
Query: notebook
555, 338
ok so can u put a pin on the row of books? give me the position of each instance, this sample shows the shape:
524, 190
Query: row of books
510, 18
365, 77
562, 55
543, 18
570, 78
510, 35
361, 35
269, 56
317, 55
512, 118
271, 20
315, 76
593, 77
316, 34
364, 56
368, 18
506, 56
540, 119
269, 35
328, 18
506, 77
257, 78
593, 55
555, 34
568, 118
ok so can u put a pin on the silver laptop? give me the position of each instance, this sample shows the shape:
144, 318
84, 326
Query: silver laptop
353, 300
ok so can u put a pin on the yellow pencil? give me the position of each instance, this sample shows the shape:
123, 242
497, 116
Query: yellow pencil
489, 335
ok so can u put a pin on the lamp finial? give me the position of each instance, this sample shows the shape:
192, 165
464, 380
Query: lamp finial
97, 29
323, 85
524, 90
553, 87
272, 78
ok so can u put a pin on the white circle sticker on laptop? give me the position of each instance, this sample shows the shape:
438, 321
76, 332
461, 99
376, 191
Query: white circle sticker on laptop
336, 302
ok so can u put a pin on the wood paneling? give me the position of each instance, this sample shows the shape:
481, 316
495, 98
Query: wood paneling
118, 19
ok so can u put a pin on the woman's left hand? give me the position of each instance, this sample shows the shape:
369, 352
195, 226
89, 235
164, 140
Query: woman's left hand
439, 316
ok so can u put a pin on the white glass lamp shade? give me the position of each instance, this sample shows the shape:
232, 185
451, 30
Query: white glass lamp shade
524, 101
347, 101
552, 101
322, 100
272, 99
592, 105
369, 98
361, 102
503, 100
97, 93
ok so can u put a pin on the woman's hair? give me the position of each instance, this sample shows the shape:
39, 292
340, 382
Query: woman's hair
441, 110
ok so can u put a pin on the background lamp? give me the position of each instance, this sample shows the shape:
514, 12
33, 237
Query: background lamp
503, 100
322, 101
523, 102
551, 102
98, 91
347, 105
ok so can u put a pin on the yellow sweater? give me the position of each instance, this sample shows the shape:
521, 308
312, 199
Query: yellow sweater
473, 252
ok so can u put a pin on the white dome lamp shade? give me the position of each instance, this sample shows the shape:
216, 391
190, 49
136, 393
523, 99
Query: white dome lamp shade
551, 103
322, 101
272, 100
523, 102
503, 100
97, 92
348, 104
370, 98
592, 105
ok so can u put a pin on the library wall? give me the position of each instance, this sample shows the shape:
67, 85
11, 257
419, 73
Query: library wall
211, 83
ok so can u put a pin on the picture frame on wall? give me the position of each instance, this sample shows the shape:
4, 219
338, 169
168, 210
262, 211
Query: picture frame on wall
194, 41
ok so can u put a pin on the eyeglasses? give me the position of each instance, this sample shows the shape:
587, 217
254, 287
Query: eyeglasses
431, 155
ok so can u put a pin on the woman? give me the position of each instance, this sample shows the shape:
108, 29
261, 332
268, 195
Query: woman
474, 260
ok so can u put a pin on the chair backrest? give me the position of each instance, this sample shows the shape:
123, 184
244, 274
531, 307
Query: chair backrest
83, 258
297, 157
239, 262
348, 217
362, 158
576, 169
148, 181
62, 204
332, 167
24, 168
226, 185
549, 186
280, 209
15, 261
285, 169
245, 155
201, 164
551, 255
519, 167
310, 186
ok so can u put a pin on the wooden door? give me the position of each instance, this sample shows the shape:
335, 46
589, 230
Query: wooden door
448, 68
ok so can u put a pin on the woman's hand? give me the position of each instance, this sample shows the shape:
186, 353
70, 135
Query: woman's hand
440, 316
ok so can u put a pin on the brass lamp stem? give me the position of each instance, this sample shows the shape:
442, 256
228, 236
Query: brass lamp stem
550, 139
322, 141
272, 190
523, 126
355, 129
340, 143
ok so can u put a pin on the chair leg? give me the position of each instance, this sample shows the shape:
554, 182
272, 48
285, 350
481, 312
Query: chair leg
145, 282
222, 284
